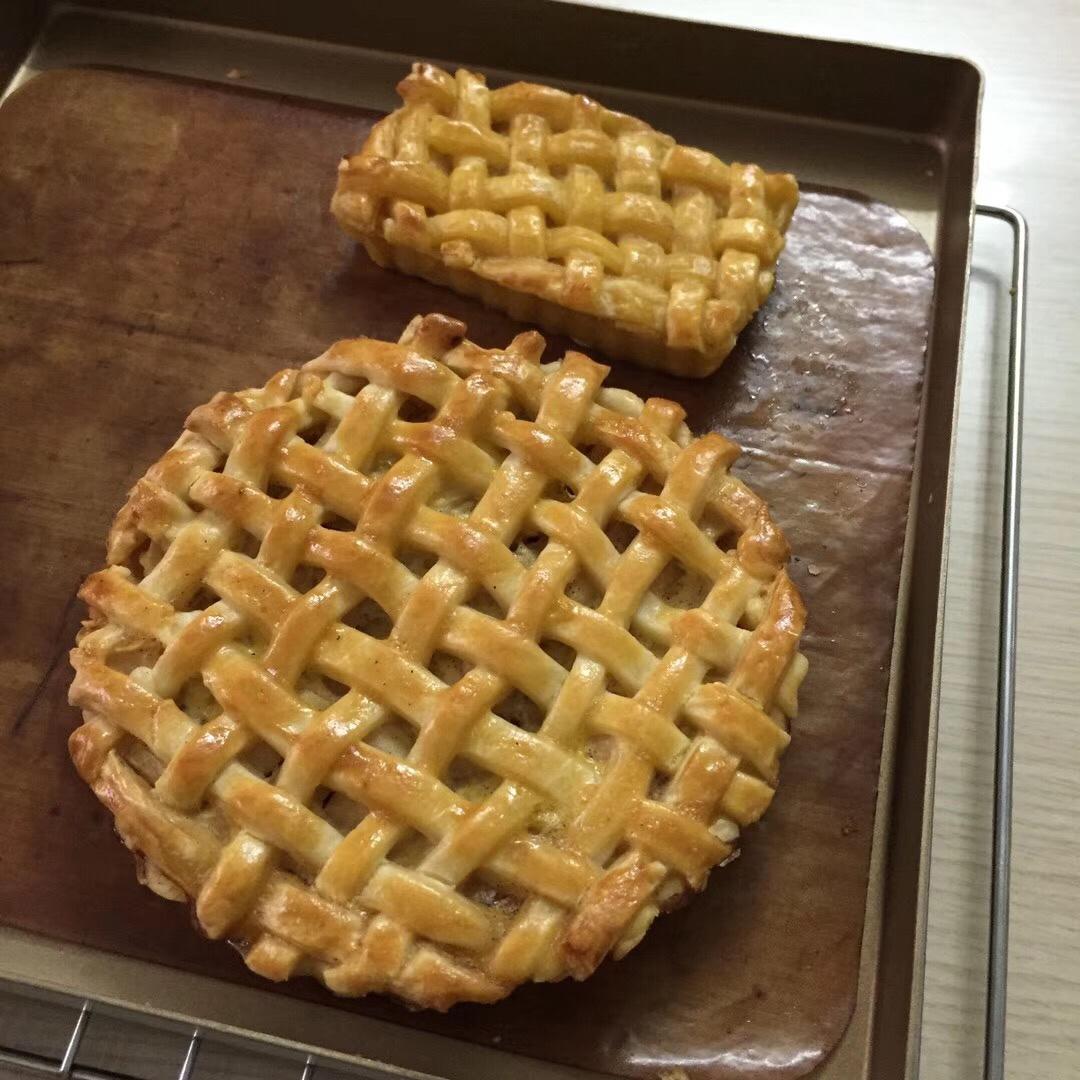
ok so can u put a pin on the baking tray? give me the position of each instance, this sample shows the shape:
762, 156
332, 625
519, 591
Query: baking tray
822, 391
915, 151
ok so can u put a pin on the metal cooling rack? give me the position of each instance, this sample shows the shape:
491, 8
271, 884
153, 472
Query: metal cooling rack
58, 1044
65, 1063
998, 951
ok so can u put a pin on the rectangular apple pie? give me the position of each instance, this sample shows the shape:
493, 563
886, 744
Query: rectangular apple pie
585, 221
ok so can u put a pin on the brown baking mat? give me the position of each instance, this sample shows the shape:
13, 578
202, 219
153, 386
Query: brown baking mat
162, 239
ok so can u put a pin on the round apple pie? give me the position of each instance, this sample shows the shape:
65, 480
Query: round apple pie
429, 669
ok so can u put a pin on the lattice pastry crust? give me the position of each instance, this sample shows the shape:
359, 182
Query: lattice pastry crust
564, 213
429, 669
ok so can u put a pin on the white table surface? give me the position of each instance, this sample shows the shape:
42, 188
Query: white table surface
1030, 158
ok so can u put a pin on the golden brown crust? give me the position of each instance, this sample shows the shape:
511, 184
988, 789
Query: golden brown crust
584, 220
414, 705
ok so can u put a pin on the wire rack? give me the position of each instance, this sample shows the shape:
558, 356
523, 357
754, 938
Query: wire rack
60, 1036
65, 1061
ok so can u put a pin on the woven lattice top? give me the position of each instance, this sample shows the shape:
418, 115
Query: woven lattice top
631, 241
428, 669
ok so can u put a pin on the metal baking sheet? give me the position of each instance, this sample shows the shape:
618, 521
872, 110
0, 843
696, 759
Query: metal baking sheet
921, 169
